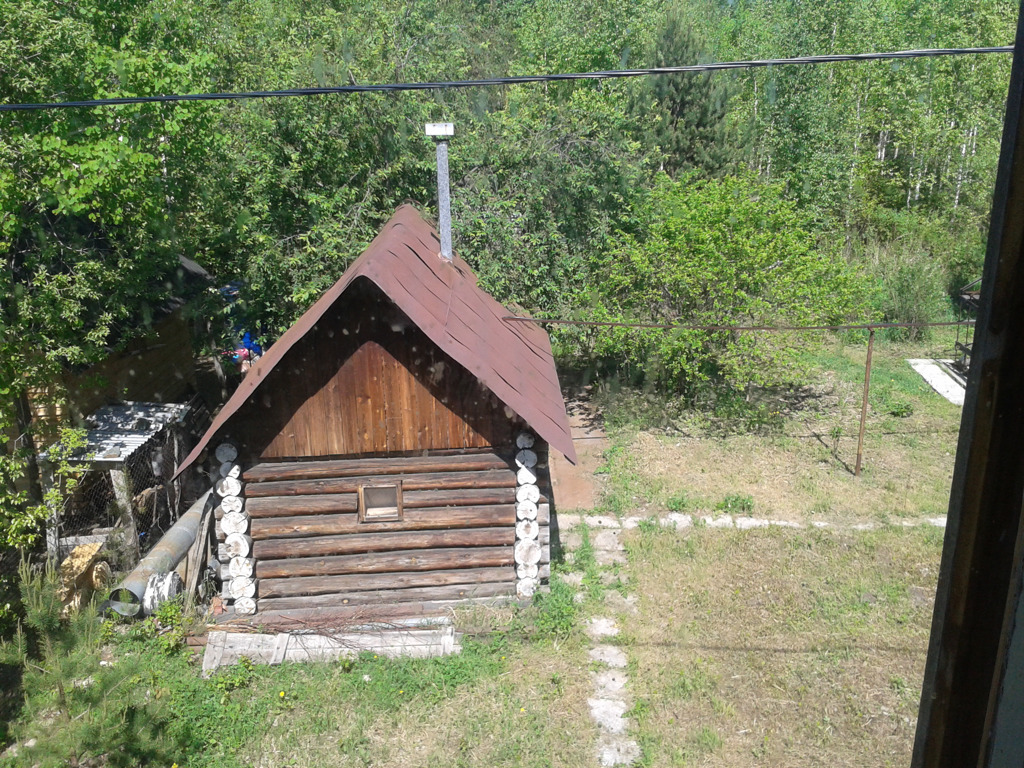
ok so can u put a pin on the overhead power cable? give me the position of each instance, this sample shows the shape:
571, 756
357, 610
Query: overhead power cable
683, 327
519, 80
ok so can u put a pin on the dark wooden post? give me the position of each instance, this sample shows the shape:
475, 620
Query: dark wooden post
973, 692
864, 402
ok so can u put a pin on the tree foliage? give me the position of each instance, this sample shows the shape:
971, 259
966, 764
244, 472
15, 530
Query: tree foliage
721, 252
843, 173
691, 128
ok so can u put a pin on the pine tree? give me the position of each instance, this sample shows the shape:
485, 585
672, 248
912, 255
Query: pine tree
692, 131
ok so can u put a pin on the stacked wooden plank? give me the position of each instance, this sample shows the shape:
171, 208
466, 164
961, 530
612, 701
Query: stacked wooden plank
455, 538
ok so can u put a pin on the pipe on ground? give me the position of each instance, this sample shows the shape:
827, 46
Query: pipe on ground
127, 599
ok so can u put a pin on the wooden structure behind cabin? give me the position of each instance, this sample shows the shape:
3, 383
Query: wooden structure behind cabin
391, 447
158, 366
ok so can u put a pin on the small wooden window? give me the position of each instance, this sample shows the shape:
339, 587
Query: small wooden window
380, 502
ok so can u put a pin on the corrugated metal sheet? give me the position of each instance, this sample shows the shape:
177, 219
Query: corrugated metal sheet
442, 298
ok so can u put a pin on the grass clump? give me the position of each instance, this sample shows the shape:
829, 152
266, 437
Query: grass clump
736, 503
556, 610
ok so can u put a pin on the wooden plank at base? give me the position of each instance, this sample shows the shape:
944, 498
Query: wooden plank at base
214, 653
394, 643
346, 617
280, 648
386, 562
386, 597
322, 585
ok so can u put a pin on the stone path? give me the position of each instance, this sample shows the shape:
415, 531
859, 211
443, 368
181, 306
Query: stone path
610, 702
611, 526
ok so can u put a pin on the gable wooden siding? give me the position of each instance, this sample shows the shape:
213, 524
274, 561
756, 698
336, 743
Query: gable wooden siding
366, 382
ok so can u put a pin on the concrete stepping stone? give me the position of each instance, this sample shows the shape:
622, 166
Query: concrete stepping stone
607, 540
608, 654
610, 684
600, 627
617, 751
609, 714
609, 557
610, 577
573, 579
620, 604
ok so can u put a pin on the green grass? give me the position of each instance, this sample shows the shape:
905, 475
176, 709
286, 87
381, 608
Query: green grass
150, 705
626, 488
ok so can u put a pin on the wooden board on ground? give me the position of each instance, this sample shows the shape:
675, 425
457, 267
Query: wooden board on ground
225, 648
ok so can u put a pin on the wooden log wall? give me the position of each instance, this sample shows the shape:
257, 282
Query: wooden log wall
455, 540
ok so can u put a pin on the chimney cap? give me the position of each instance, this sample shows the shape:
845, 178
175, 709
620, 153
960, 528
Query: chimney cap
440, 129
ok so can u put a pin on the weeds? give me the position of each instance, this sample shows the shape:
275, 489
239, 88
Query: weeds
556, 615
736, 503
132, 695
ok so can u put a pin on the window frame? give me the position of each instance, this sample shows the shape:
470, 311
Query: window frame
392, 515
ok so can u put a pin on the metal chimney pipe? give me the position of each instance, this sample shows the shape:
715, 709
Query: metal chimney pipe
440, 132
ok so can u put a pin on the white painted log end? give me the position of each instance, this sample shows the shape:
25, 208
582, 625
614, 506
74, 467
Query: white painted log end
235, 522
237, 545
225, 452
527, 529
526, 510
231, 504
526, 458
525, 588
241, 566
229, 486
527, 552
526, 476
527, 571
528, 493
525, 440
242, 586
245, 606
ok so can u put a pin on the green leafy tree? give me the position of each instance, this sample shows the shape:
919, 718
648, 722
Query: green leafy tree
731, 251
91, 201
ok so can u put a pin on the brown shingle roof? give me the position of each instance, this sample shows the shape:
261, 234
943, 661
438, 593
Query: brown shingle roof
442, 298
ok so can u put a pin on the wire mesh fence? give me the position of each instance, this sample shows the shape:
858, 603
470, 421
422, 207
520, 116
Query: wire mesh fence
116, 489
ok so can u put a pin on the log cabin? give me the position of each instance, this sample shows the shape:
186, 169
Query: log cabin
391, 447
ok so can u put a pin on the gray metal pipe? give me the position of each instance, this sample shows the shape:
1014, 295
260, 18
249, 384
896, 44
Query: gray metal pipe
126, 599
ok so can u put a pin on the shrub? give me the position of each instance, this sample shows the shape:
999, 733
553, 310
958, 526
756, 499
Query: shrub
731, 251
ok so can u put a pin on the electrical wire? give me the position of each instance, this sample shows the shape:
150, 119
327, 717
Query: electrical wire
518, 80
676, 327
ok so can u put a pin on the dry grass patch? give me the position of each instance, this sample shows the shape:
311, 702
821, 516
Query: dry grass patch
796, 460
505, 701
779, 647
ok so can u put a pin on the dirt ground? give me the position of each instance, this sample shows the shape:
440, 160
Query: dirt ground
796, 459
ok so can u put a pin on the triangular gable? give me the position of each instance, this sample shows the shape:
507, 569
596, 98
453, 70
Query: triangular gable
513, 359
